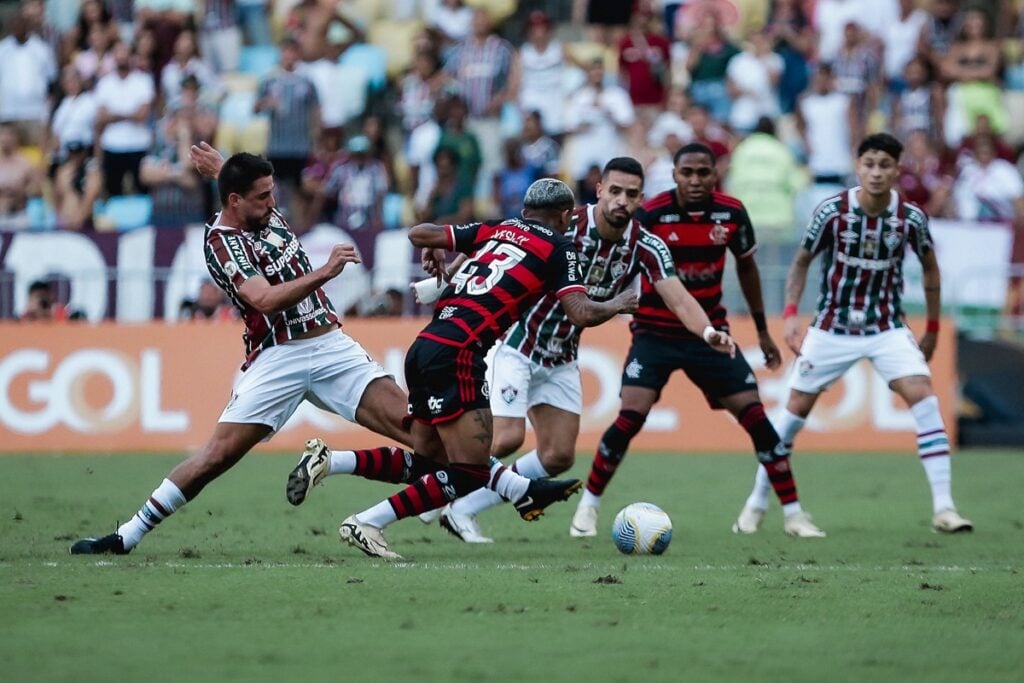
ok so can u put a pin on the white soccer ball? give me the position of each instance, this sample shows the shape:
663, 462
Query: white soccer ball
642, 529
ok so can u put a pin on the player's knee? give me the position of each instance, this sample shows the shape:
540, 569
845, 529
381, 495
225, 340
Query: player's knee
507, 441
557, 459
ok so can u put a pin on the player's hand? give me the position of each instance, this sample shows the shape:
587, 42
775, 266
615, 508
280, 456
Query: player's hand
341, 255
772, 355
722, 342
927, 344
206, 159
627, 302
793, 333
434, 263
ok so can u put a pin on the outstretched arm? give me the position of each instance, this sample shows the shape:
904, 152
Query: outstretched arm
583, 311
269, 299
688, 310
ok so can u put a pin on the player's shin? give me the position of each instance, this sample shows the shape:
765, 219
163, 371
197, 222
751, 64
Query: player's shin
610, 453
429, 492
528, 466
772, 453
933, 449
160, 505
385, 463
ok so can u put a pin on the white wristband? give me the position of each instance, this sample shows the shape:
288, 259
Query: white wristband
427, 291
708, 333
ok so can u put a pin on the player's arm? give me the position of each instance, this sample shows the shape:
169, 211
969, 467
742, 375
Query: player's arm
434, 241
583, 311
750, 284
932, 302
688, 310
796, 280
269, 299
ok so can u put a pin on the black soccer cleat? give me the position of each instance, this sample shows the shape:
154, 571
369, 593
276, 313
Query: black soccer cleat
542, 493
112, 544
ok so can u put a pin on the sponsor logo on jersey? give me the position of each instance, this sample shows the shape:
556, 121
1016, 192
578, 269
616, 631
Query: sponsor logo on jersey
231, 269
434, 403
485, 389
447, 312
848, 237
720, 216
509, 394
669, 218
305, 306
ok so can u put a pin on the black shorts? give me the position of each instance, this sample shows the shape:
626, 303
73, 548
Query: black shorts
652, 359
444, 381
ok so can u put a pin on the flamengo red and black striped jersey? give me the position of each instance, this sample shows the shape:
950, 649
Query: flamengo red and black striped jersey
234, 255
511, 265
862, 261
697, 236
545, 335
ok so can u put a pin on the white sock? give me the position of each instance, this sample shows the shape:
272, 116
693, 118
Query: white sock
161, 504
788, 426
380, 515
528, 465
758, 498
791, 509
342, 462
508, 484
933, 449
589, 499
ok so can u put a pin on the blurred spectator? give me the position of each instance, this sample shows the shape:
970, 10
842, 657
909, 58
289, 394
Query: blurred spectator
824, 119
920, 104
857, 75
796, 42
511, 182
972, 66
983, 129
147, 58
450, 200
375, 132
752, 79
124, 99
337, 105
902, 40
315, 23
98, 60
456, 137
20, 179
291, 102
209, 304
77, 184
27, 68
452, 18
644, 63
669, 9
922, 180
92, 14
253, 16
708, 60
327, 156
765, 176
74, 119
386, 304
606, 21
42, 305
539, 151
167, 18
988, 188
34, 14
597, 116
659, 170
220, 38
708, 132
941, 28
542, 60
419, 89
187, 62
419, 153
359, 185
672, 122
586, 187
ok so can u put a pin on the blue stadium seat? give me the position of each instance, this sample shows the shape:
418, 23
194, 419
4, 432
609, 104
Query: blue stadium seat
394, 204
41, 215
124, 213
259, 60
372, 60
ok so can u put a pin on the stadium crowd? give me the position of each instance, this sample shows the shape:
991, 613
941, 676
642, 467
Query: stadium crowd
377, 115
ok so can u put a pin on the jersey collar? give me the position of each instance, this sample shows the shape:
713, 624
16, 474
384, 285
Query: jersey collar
894, 200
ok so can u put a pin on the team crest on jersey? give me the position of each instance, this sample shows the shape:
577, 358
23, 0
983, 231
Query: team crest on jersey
719, 234
230, 269
848, 237
892, 239
805, 367
618, 268
634, 369
508, 394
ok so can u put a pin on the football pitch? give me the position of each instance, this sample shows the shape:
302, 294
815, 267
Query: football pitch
240, 586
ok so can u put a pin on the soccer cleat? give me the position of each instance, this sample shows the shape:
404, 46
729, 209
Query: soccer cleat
584, 522
367, 538
463, 527
799, 524
544, 492
311, 470
949, 521
431, 516
112, 544
749, 520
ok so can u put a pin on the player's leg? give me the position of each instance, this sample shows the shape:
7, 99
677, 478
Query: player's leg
897, 359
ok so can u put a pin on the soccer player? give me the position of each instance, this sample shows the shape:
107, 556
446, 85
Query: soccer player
294, 347
698, 225
862, 235
510, 266
533, 371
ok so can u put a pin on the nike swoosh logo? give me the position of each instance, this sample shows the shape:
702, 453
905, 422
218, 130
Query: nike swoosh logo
525, 502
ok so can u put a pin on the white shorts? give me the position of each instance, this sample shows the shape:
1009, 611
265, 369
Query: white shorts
825, 357
517, 384
330, 371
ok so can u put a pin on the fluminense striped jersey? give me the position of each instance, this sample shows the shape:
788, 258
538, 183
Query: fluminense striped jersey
545, 335
862, 268
511, 265
234, 255
697, 237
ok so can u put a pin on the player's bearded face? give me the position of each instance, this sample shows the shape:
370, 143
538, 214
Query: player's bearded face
256, 207
877, 171
619, 195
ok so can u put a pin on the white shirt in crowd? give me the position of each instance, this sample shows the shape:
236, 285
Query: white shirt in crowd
74, 120
337, 105
831, 17
828, 133
988, 192
454, 23
422, 144
543, 73
26, 71
753, 75
901, 38
594, 117
124, 96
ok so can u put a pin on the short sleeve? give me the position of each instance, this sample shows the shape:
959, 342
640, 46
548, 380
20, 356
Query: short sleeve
920, 237
654, 258
229, 260
743, 243
463, 238
565, 275
817, 236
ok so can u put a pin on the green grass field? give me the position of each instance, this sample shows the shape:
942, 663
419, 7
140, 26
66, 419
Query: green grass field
239, 586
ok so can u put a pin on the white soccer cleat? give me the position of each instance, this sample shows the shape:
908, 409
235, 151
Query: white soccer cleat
367, 538
949, 521
313, 466
584, 522
799, 524
463, 527
431, 516
749, 520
